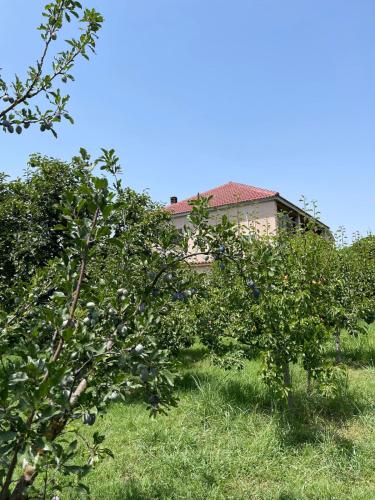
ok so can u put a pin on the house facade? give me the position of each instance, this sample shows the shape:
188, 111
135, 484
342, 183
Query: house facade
254, 210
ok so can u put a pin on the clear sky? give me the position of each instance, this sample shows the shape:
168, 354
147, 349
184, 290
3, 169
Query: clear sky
194, 93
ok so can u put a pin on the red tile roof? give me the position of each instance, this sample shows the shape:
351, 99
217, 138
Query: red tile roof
227, 194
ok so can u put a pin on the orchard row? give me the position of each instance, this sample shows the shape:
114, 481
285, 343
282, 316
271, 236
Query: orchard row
98, 294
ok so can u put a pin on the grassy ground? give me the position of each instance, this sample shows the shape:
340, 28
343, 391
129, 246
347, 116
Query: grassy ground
224, 441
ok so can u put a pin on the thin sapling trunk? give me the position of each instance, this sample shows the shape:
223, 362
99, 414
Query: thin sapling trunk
288, 384
338, 346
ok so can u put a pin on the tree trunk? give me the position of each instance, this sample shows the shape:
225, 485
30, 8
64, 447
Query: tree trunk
338, 346
26, 480
308, 388
288, 384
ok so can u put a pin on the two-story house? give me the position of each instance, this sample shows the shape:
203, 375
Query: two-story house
256, 210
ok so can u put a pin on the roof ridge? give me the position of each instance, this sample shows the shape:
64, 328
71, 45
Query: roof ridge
226, 184
253, 187
208, 190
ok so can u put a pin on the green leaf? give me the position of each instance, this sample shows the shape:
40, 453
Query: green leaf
7, 435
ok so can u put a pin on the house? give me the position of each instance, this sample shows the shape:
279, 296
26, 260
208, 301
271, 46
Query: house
255, 210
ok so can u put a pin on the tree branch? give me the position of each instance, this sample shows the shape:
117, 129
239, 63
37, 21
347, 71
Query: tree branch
40, 64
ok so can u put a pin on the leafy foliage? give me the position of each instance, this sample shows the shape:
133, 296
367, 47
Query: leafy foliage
72, 344
30, 208
361, 258
94, 304
298, 296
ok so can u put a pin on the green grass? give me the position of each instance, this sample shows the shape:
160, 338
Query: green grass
226, 441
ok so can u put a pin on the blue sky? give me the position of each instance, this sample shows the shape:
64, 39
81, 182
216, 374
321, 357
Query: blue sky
194, 93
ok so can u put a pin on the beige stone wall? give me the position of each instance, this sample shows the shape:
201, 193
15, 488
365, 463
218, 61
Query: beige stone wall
259, 218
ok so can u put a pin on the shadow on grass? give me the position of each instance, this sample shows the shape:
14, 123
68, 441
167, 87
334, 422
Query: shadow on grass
299, 433
354, 357
312, 418
336, 408
287, 496
135, 491
308, 421
359, 358
357, 352
191, 355
239, 395
246, 397
192, 380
